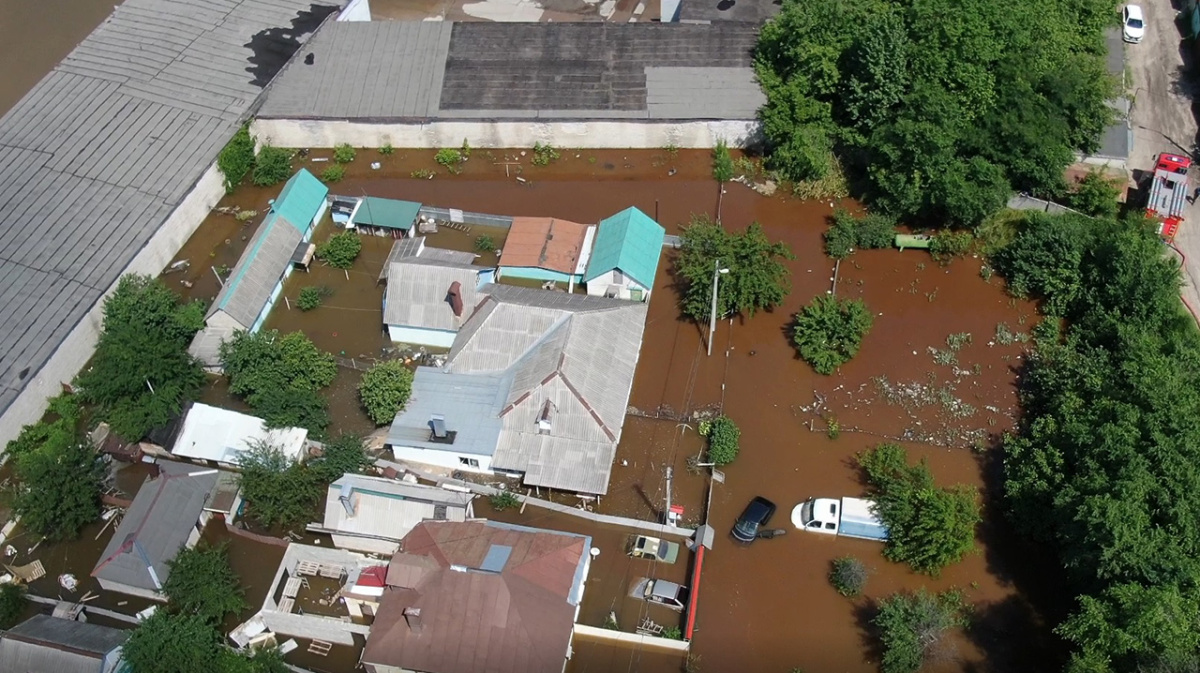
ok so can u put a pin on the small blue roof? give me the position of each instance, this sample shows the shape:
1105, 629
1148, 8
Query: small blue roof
300, 201
630, 242
497, 557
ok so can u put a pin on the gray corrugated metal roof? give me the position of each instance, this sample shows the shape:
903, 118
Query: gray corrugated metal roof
364, 70
521, 70
50, 634
156, 525
471, 405
389, 508
253, 279
97, 155
417, 293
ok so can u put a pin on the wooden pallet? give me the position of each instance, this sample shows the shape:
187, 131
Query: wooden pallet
308, 568
333, 572
319, 647
28, 572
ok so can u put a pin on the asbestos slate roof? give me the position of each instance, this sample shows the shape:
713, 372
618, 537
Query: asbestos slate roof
440, 70
45, 644
471, 405
418, 289
156, 526
97, 155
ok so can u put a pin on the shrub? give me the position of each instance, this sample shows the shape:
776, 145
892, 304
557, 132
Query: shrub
12, 604
344, 153
421, 174
385, 389
236, 158
848, 231
485, 243
946, 245
544, 154
278, 490
672, 633
840, 237
848, 576
928, 527
911, 625
310, 298
829, 331
202, 584
1096, 195
60, 485
450, 159
387, 149
273, 166
723, 435
340, 250
333, 173
504, 500
722, 162
344, 454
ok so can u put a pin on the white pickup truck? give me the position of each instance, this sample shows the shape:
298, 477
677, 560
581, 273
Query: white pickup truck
848, 517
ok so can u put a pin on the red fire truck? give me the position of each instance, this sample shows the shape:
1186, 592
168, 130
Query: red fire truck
1169, 189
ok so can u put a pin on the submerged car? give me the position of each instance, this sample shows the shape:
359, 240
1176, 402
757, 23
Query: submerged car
1133, 24
644, 546
666, 593
755, 516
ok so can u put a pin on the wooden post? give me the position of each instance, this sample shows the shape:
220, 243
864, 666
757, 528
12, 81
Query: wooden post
288, 302
220, 283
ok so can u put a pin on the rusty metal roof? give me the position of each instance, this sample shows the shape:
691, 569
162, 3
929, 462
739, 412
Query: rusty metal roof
544, 243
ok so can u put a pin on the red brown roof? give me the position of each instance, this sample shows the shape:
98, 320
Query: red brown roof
544, 243
516, 617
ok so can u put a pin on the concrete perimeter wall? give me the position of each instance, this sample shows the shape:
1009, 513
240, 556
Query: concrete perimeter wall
623, 134
77, 349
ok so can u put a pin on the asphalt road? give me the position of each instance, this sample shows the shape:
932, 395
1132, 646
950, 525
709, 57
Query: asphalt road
1164, 116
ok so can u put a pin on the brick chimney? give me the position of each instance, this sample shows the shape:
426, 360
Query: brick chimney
413, 617
454, 296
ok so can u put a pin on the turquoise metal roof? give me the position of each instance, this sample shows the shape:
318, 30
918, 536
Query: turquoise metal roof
390, 213
300, 200
629, 241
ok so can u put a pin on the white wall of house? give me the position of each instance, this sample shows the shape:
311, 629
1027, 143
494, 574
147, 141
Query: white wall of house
329, 629
357, 10
599, 286
366, 544
484, 133
128, 589
76, 350
440, 458
420, 336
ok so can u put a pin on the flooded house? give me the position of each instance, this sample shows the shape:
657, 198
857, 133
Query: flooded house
372, 514
213, 435
167, 515
377, 216
625, 256
256, 281
479, 596
45, 644
535, 386
547, 248
430, 292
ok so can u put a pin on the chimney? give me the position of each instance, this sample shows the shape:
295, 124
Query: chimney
438, 423
346, 498
454, 296
545, 418
413, 617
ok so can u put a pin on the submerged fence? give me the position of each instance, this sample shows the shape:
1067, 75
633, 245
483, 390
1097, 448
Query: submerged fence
465, 217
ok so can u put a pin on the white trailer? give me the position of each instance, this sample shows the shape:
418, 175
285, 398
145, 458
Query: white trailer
848, 517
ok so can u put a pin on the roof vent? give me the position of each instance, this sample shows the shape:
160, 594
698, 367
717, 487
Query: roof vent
545, 419
438, 423
413, 617
346, 498
454, 296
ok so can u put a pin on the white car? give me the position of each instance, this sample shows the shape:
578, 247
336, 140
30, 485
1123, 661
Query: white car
1133, 24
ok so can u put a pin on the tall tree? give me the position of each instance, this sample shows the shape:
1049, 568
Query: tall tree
202, 584
60, 485
173, 643
756, 279
279, 376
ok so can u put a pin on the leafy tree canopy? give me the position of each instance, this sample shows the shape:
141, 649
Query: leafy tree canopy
340, 250
928, 527
173, 643
943, 107
344, 454
12, 604
202, 584
829, 331
278, 490
142, 373
385, 389
757, 279
279, 376
911, 627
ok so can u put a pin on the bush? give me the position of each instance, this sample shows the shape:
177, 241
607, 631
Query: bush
848, 576
1096, 195
450, 159
911, 626
829, 331
544, 154
723, 435
946, 245
928, 527
672, 633
504, 500
333, 173
385, 389
841, 236
278, 490
344, 454
59, 488
12, 604
236, 158
340, 250
310, 297
344, 153
722, 162
202, 584
273, 166
387, 150
849, 231
485, 243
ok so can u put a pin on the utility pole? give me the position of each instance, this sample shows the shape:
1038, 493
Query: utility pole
712, 319
667, 511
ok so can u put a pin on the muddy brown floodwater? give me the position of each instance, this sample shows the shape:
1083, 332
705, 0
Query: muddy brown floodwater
766, 607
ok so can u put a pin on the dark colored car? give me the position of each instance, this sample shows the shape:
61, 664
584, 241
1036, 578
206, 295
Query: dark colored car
755, 516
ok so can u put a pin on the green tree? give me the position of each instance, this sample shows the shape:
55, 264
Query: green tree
60, 485
848, 231
829, 331
340, 250
848, 576
279, 376
723, 437
236, 158
911, 626
272, 166
12, 604
173, 643
385, 389
757, 279
278, 490
1096, 195
344, 454
928, 527
141, 373
310, 298
722, 162
202, 584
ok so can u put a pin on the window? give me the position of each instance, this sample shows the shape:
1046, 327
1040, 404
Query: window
829, 526
439, 512
469, 462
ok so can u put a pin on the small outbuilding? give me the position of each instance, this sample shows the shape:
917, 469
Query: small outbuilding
624, 259
45, 644
389, 216
546, 248
217, 435
372, 514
